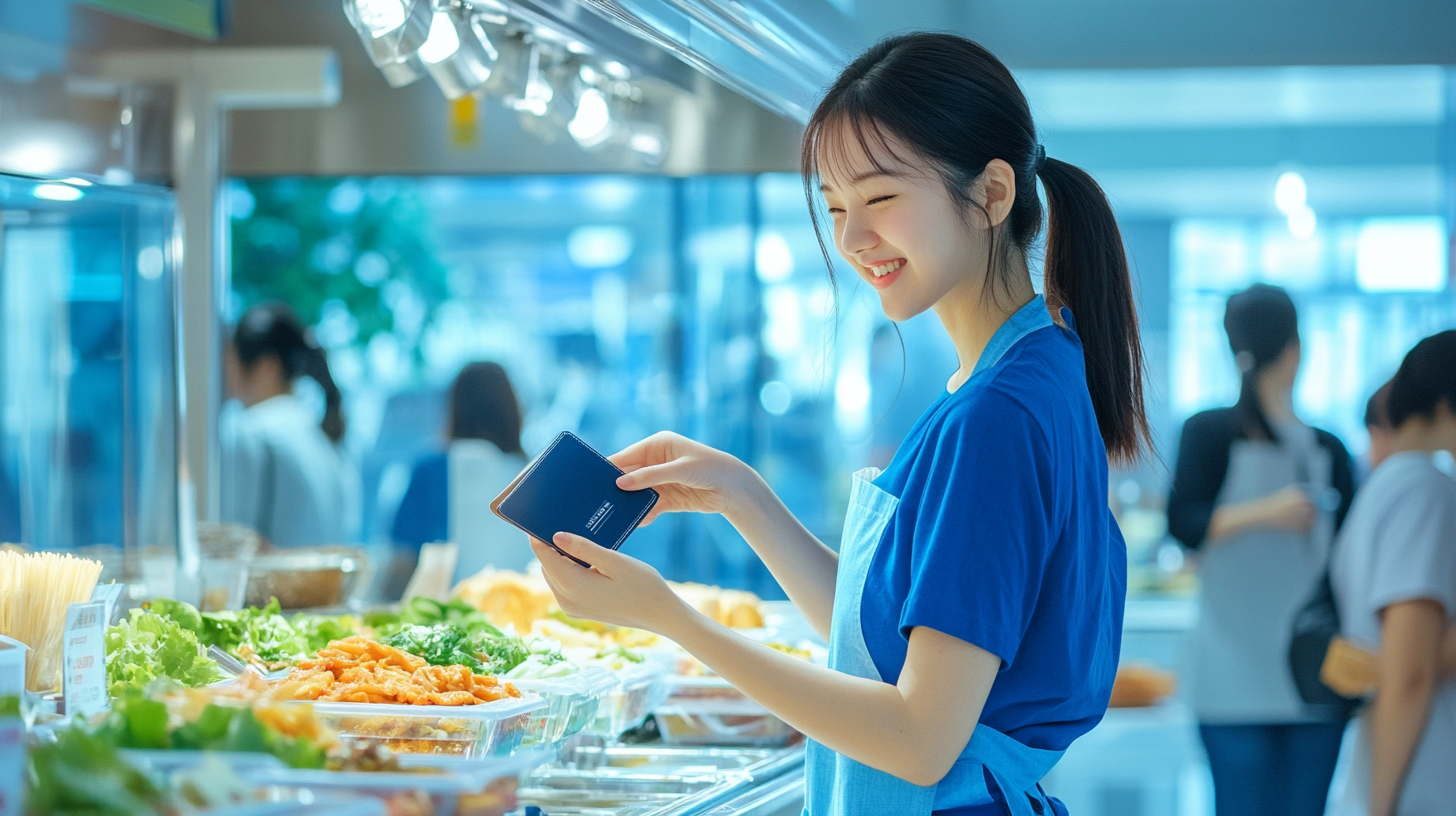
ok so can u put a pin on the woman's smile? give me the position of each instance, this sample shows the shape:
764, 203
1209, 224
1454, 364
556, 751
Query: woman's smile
881, 275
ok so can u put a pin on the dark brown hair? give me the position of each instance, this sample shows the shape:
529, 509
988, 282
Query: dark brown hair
483, 406
1427, 376
273, 330
957, 107
1261, 323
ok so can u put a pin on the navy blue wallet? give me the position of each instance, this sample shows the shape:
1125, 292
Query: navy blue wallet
571, 488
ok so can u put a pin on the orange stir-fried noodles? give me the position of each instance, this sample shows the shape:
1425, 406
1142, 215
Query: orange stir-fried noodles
359, 670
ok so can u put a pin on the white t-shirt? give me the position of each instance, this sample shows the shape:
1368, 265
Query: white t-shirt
478, 472
1398, 544
284, 478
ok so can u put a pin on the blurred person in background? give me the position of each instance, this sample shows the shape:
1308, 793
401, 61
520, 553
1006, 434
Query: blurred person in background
1377, 424
285, 473
1257, 494
1394, 580
449, 493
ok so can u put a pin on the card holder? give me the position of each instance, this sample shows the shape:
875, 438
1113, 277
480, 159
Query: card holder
572, 488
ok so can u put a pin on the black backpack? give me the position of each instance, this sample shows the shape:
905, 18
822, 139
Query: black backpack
1315, 625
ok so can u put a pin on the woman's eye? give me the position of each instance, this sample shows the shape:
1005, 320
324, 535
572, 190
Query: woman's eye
836, 211
878, 199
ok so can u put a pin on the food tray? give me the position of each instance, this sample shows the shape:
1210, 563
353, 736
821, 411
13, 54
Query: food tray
641, 689
572, 703
488, 729
433, 775
720, 721
165, 761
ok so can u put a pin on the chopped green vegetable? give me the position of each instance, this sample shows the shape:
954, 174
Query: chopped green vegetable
419, 611
319, 630
443, 644
503, 652
146, 647
136, 721
9, 706
81, 773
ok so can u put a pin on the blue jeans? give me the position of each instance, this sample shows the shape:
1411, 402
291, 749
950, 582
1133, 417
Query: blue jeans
1271, 770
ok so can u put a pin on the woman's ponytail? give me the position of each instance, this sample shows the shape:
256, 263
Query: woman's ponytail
273, 330
1086, 271
316, 365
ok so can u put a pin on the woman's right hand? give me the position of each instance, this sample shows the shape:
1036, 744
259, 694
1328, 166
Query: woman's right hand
689, 477
1289, 509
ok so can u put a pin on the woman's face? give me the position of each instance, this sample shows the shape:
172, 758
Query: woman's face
899, 229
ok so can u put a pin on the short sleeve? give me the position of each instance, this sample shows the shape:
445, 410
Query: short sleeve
1415, 546
983, 527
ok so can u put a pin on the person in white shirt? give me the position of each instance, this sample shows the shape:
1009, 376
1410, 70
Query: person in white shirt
1394, 579
449, 494
284, 473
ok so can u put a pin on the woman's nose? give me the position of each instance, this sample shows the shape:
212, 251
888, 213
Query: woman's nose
855, 236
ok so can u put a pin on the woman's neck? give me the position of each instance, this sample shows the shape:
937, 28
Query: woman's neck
971, 315
1276, 397
1426, 435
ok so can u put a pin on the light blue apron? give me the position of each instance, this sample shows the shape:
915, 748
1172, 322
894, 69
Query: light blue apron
839, 786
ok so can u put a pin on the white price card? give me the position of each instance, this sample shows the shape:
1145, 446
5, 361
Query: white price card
84, 656
12, 765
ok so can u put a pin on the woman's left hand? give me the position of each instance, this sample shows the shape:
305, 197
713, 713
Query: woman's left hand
618, 589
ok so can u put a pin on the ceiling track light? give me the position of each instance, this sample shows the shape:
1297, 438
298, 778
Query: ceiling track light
458, 53
392, 31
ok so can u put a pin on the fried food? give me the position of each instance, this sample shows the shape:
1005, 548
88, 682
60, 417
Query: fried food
730, 607
359, 670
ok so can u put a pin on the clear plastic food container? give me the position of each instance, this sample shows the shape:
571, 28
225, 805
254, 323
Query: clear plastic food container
572, 703
641, 688
489, 729
710, 711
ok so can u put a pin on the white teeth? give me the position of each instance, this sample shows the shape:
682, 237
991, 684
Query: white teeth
885, 269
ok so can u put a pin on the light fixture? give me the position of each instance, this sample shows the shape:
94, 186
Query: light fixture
57, 192
1290, 192
1291, 196
392, 31
536, 92
458, 54
592, 125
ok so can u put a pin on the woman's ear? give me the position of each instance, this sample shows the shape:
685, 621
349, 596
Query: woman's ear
997, 185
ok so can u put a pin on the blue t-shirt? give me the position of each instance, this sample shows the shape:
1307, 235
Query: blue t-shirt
1003, 538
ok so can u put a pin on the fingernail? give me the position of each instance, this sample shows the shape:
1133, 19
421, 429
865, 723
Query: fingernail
561, 538
624, 481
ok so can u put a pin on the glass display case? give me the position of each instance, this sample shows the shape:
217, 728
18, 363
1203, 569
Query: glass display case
88, 375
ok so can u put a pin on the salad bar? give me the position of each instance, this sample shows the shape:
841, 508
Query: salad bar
489, 702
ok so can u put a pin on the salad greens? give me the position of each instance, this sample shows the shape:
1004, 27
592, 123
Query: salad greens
145, 647
259, 635
450, 644
418, 611
81, 773
137, 721
443, 644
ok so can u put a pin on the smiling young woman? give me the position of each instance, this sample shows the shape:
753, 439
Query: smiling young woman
974, 606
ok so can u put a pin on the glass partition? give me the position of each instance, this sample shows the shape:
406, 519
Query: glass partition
88, 375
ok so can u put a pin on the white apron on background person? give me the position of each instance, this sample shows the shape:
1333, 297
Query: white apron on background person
478, 472
284, 478
1253, 584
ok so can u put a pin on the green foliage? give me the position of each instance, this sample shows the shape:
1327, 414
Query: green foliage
306, 241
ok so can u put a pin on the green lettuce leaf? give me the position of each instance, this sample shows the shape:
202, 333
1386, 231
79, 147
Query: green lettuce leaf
146, 647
